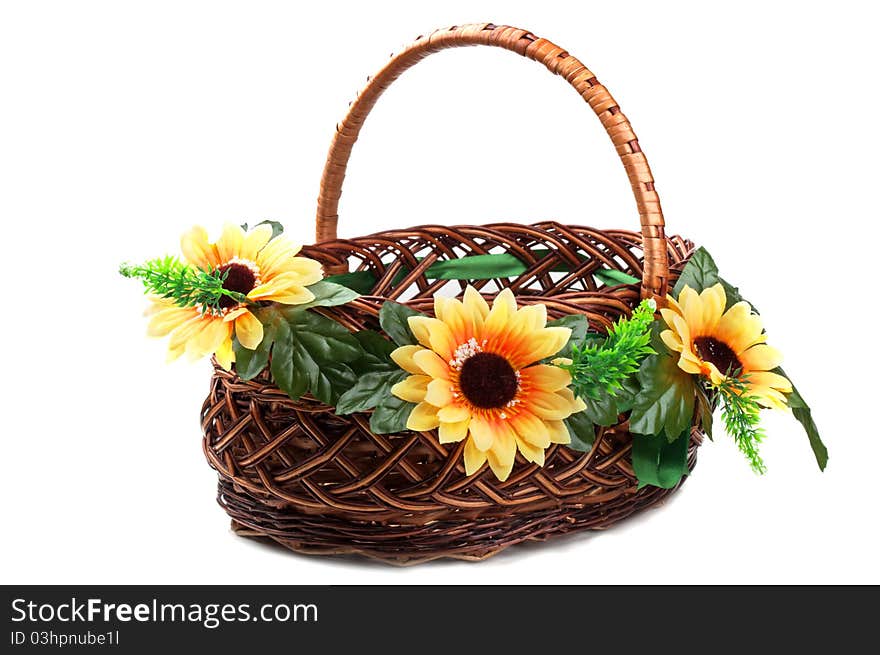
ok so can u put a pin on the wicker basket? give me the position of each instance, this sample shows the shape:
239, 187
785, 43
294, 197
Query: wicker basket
296, 473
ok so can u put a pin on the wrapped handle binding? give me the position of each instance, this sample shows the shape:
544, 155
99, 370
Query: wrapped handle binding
556, 60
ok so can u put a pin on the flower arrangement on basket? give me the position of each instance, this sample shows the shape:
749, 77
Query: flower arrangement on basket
458, 390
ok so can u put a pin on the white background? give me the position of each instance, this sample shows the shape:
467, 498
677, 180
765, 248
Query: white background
122, 124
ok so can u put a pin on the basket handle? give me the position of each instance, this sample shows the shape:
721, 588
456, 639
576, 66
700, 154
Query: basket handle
558, 61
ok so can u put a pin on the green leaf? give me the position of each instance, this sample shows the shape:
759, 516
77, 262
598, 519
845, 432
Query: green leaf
477, 267
582, 431
602, 411
704, 408
390, 415
277, 228
331, 380
309, 352
801, 411
700, 273
611, 277
659, 462
329, 294
606, 409
626, 395
360, 281
290, 378
369, 391
321, 348
249, 363
665, 402
377, 353
578, 324
393, 319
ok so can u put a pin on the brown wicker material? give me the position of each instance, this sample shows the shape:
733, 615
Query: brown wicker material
294, 472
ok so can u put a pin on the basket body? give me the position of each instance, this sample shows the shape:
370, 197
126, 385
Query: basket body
298, 474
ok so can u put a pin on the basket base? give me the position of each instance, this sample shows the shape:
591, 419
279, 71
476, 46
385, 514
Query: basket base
403, 545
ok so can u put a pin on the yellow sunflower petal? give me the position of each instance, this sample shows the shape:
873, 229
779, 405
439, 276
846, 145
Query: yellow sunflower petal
197, 250
770, 398
682, 329
669, 316
530, 428
692, 310
181, 335
476, 304
439, 393
575, 404
531, 318
739, 328
248, 330
403, 357
309, 270
545, 377
550, 406
276, 255
733, 324
224, 354
434, 334
412, 389
454, 314
174, 352
497, 322
208, 338
673, 305
474, 458
453, 432
503, 453
483, 432
713, 299
454, 413
558, 432
542, 344
230, 242
168, 319
280, 284
760, 358
711, 371
531, 452
431, 363
686, 364
254, 241
751, 333
234, 314
671, 340
423, 418
420, 327
770, 380
290, 296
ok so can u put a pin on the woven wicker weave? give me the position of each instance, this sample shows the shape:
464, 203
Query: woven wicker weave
294, 472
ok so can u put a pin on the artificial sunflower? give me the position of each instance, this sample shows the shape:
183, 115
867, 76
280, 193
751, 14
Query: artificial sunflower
716, 343
475, 377
258, 267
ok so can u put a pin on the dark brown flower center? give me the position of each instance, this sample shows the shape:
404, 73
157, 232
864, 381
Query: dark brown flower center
488, 380
719, 353
239, 278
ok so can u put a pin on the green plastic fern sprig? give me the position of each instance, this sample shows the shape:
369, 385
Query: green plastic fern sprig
601, 368
740, 413
168, 277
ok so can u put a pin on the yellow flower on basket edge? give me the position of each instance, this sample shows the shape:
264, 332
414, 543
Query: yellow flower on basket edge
714, 343
474, 376
256, 265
